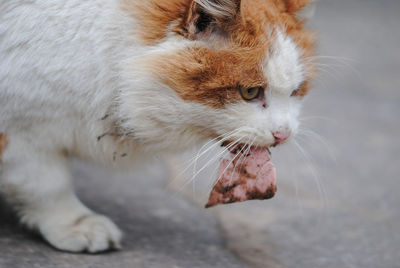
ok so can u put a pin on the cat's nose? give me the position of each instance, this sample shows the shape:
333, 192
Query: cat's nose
281, 136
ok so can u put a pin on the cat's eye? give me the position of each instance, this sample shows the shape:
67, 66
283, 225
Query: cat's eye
249, 94
301, 90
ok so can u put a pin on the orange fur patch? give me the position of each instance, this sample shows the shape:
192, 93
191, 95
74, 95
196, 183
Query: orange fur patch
209, 77
212, 75
3, 144
155, 17
294, 5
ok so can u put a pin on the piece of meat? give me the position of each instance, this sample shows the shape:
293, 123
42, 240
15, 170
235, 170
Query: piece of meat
3, 143
245, 177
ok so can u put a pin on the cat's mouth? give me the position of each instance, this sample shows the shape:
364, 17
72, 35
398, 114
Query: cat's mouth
247, 175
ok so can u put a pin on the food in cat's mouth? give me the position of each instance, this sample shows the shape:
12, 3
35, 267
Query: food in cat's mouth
249, 175
3, 143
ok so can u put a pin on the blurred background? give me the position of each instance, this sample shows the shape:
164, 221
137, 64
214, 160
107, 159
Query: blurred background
338, 201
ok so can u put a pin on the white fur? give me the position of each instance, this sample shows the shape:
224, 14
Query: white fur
283, 69
72, 71
285, 73
59, 75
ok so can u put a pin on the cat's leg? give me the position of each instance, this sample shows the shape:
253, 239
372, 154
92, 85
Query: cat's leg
38, 185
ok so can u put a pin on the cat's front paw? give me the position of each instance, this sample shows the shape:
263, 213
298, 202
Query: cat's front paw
91, 233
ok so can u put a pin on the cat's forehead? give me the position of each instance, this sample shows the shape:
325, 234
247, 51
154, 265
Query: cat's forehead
212, 74
264, 46
283, 66
276, 64
287, 49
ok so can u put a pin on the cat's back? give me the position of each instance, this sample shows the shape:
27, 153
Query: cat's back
57, 54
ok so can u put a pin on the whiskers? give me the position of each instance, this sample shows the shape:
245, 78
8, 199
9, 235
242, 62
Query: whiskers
301, 141
204, 165
244, 152
335, 67
314, 173
304, 133
210, 153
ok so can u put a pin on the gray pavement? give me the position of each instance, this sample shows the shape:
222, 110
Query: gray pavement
338, 201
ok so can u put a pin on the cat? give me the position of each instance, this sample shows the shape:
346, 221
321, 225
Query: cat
114, 81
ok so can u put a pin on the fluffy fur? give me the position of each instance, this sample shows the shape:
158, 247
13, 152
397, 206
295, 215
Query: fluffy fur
114, 81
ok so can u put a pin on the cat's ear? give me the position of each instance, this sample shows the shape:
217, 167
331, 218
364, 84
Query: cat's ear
206, 16
303, 9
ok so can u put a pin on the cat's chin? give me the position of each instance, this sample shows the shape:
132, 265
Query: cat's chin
231, 146
267, 144
243, 147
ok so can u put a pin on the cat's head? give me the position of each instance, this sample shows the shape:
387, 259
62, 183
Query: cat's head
226, 69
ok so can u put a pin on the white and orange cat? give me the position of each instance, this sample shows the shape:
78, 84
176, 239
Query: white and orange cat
113, 81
